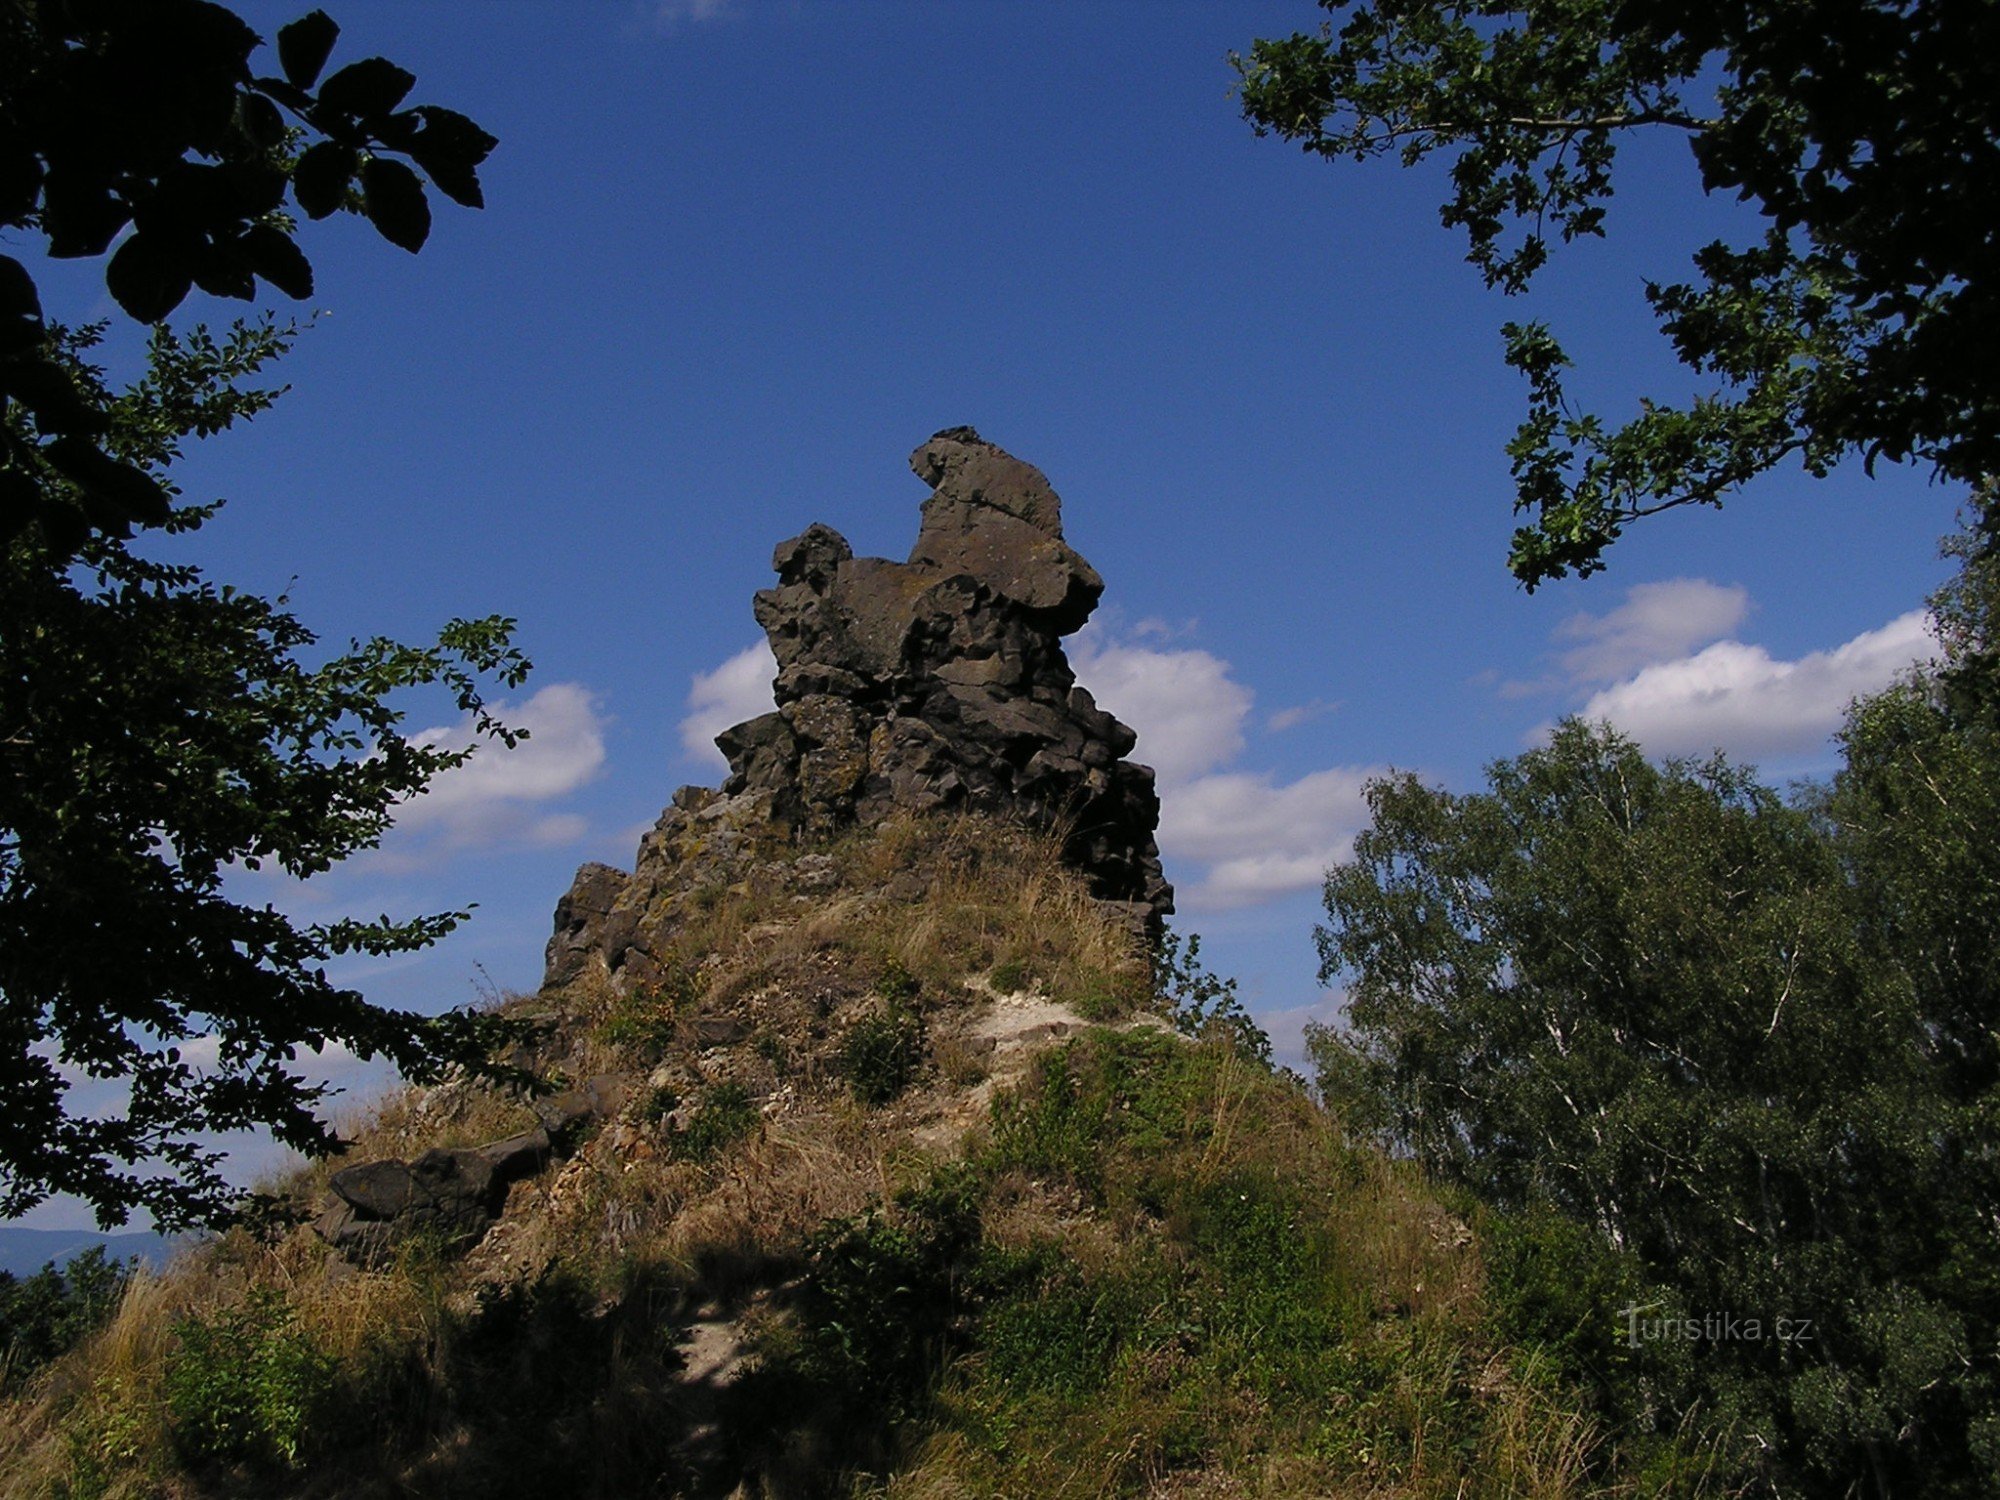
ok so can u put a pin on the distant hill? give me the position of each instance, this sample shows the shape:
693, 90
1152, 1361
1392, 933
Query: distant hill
25, 1251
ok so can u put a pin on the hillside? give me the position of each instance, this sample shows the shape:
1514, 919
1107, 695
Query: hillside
913, 1190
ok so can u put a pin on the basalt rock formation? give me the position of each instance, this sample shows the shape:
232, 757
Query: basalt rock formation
929, 685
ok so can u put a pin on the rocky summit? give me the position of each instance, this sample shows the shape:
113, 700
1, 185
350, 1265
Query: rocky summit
930, 685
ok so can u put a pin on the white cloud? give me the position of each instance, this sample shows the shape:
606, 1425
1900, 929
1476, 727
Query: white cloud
1257, 839
671, 15
497, 797
1656, 623
1188, 711
1253, 838
737, 690
1741, 699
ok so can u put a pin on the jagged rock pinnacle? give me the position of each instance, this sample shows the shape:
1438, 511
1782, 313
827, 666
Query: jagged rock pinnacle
934, 684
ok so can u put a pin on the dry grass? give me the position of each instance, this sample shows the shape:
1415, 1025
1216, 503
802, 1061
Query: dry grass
599, 1261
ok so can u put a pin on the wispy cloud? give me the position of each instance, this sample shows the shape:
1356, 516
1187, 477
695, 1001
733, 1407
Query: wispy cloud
672, 15
502, 796
1256, 838
1668, 666
737, 690
1299, 713
1657, 622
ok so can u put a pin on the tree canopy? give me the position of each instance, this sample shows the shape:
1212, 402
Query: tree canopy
146, 119
160, 734
1744, 1043
1865, 134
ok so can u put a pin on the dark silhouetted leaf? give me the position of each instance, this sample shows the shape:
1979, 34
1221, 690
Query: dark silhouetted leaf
373, 86
80, 215
20, 308
284, 93
449, 147
20, 181
150, 275
304, 46
397, 132
46, 389
320, 179
279, 260
223, 269
394, 197
115, 491
262, 125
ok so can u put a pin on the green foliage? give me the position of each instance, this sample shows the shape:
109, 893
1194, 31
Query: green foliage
246, 1385
145, 126
1853, 323
1049, 1129
1012, 976
50, 1312
896, 985
1201, 1002
643, 1021
1208, 1306
1733, 1041
883, 1054
724, 1116
161, 731
1048, 1329
882, 1290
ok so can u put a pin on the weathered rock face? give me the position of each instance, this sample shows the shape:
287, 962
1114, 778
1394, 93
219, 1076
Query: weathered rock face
453, 1196
928, 685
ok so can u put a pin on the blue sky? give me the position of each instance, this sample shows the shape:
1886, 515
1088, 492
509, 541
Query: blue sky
741, 256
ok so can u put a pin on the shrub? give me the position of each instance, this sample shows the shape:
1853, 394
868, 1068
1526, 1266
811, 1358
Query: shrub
896, 985
725, 1115
1201, 1002
882, 1294
1012, 977
246, 1384
643, 1021
882, 1054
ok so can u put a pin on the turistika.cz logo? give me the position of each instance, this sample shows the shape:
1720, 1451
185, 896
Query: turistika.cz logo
1710, 1328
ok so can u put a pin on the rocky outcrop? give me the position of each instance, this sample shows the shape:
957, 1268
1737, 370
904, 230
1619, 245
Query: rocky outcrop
452, 1197
930, 685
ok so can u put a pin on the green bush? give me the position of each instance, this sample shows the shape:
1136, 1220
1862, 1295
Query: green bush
883, 1291
1201, 1002
1051, 1330
643, 1021
1012, 977
882, 1054
725, 1115
1107, 1089
896, 984
246, 1385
